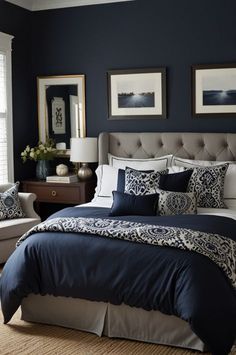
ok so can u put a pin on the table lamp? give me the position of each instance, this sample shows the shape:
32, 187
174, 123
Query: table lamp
84, 150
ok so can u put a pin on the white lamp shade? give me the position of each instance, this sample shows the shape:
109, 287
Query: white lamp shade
83, 150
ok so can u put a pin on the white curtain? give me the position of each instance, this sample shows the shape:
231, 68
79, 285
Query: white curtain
6, 141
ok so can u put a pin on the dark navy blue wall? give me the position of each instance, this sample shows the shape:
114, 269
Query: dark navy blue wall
94, 39
139, 34
17, 22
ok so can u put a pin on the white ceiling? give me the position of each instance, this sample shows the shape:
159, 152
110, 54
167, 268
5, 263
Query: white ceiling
37, 5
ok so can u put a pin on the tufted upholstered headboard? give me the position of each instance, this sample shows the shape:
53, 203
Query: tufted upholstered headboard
201, 146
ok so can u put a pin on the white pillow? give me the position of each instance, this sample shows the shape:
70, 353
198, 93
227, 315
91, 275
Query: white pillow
230, 177
156, 164
190, 163
230, 203
176, 169
106, 180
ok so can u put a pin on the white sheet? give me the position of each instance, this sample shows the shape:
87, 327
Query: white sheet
99, 202
224, 212
107, 203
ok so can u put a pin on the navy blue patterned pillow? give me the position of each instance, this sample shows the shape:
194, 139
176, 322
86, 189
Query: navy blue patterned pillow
142, 182
126, 204
208, 184
10, 206
177, 182
121, 179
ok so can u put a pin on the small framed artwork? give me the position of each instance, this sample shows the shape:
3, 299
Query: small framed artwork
58, 116
137, 93
214, 90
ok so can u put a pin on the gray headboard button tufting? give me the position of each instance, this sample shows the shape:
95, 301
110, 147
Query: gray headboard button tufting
201, 146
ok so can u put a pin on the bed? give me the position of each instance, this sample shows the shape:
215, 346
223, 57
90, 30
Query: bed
121, 320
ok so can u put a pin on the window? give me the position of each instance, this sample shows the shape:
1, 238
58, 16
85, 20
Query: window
6, 141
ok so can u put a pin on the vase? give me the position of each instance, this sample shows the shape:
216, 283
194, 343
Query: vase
42, 169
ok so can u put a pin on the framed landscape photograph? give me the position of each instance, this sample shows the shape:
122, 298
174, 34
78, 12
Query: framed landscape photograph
137, 93
214, 90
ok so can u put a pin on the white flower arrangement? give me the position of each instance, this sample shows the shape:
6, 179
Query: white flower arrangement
43, 151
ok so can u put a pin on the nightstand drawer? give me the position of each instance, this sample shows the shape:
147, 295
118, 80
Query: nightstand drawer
57, 194
51, 196
72, 194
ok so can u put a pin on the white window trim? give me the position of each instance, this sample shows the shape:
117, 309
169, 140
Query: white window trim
6, 47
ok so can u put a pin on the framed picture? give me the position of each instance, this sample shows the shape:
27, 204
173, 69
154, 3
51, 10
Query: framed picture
214, 90
58, 116
137, 93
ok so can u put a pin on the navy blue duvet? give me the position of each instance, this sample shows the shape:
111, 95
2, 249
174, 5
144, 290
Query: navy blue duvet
173, 281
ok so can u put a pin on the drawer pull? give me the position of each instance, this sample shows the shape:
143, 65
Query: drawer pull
54, 193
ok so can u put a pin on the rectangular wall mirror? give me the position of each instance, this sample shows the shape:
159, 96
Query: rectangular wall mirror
61, 109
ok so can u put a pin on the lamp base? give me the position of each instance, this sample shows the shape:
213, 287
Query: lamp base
84, 172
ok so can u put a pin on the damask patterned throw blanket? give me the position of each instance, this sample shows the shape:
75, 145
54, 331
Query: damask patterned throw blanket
216, 247
179, 265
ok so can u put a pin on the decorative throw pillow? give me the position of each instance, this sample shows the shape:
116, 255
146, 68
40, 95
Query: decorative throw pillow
208, 184
121, 179
126, 204
177, 182
230, 186
10, 206
173, 203
141, 182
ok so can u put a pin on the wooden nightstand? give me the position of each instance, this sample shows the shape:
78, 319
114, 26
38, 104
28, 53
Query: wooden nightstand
59, 193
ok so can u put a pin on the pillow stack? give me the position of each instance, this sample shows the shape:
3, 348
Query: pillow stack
153, 192
190, 184
107, 175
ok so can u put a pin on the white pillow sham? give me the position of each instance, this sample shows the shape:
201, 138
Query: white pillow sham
106, 180
230, 177
156, 164
189, 163
230, 203
176, 169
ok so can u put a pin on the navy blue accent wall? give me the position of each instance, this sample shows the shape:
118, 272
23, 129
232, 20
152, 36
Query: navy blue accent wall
94, 39
17, 22
139, 34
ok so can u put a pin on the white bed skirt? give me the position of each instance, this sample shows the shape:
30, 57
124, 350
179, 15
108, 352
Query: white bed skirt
110, 320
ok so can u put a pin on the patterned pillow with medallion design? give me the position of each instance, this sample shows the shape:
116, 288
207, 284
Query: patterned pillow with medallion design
10, 206
208, 184
174, 203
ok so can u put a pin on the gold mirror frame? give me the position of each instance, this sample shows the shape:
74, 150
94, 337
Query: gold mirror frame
43, 123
